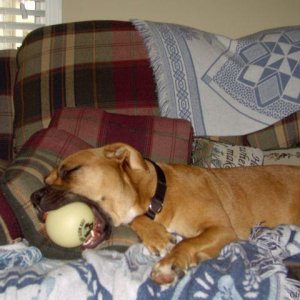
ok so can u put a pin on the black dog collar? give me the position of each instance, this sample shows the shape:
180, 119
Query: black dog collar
157, 200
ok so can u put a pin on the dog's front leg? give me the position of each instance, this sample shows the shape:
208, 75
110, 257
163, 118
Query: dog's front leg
189, 252
153, 235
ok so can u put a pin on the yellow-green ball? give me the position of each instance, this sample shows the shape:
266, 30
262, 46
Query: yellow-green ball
70, 225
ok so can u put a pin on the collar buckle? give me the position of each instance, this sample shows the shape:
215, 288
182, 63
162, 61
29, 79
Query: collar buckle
156, 205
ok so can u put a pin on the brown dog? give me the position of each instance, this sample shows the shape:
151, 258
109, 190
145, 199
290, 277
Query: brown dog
208, 207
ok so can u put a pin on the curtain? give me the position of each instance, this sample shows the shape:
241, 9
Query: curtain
17, 19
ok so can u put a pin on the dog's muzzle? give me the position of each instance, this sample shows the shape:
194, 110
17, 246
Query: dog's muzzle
51, 198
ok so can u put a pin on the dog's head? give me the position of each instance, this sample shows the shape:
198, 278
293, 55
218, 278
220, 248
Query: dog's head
111, 177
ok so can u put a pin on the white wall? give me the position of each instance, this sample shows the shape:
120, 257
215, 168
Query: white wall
233, 18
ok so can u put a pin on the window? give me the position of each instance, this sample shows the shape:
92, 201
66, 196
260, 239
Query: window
19, 17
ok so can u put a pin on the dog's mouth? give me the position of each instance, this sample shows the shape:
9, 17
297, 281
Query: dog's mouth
46, 200
100, 231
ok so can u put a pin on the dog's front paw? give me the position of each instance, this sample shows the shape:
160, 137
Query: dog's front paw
167, 271
154, 235
160, 244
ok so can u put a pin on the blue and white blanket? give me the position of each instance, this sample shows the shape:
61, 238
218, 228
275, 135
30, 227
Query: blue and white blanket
251, 269
224, 86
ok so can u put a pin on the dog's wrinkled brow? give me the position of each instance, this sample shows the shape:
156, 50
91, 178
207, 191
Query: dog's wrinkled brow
64, 172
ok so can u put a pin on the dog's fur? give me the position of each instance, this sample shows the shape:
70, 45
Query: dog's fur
208, 207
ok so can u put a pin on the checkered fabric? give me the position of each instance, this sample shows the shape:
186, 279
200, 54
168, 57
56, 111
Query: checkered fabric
283, 134
161, 139
7, 79
26, 174
93, 63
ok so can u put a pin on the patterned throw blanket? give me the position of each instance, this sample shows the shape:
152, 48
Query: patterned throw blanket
251, 269
224, 86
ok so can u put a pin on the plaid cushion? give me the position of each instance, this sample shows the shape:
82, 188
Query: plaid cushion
161, 139
7, 78
93, 63
283, 134
25, 175
40, 154
70, 130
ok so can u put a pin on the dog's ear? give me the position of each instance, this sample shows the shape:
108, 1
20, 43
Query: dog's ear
126, 154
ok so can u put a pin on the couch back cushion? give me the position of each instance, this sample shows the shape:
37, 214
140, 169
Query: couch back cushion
7, 79
93, 63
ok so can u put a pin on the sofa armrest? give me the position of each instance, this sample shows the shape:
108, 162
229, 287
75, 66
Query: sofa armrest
7, 78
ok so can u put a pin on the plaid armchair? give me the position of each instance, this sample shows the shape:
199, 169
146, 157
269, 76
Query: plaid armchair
99, 70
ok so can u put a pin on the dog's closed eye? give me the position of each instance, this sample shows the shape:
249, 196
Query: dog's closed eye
64, 172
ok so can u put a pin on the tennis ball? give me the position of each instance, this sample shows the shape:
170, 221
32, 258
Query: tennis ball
70, 225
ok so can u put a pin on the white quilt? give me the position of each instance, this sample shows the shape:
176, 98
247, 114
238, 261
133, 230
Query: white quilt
251, 269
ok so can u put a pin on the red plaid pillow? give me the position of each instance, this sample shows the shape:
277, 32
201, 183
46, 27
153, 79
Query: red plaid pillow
158, 138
